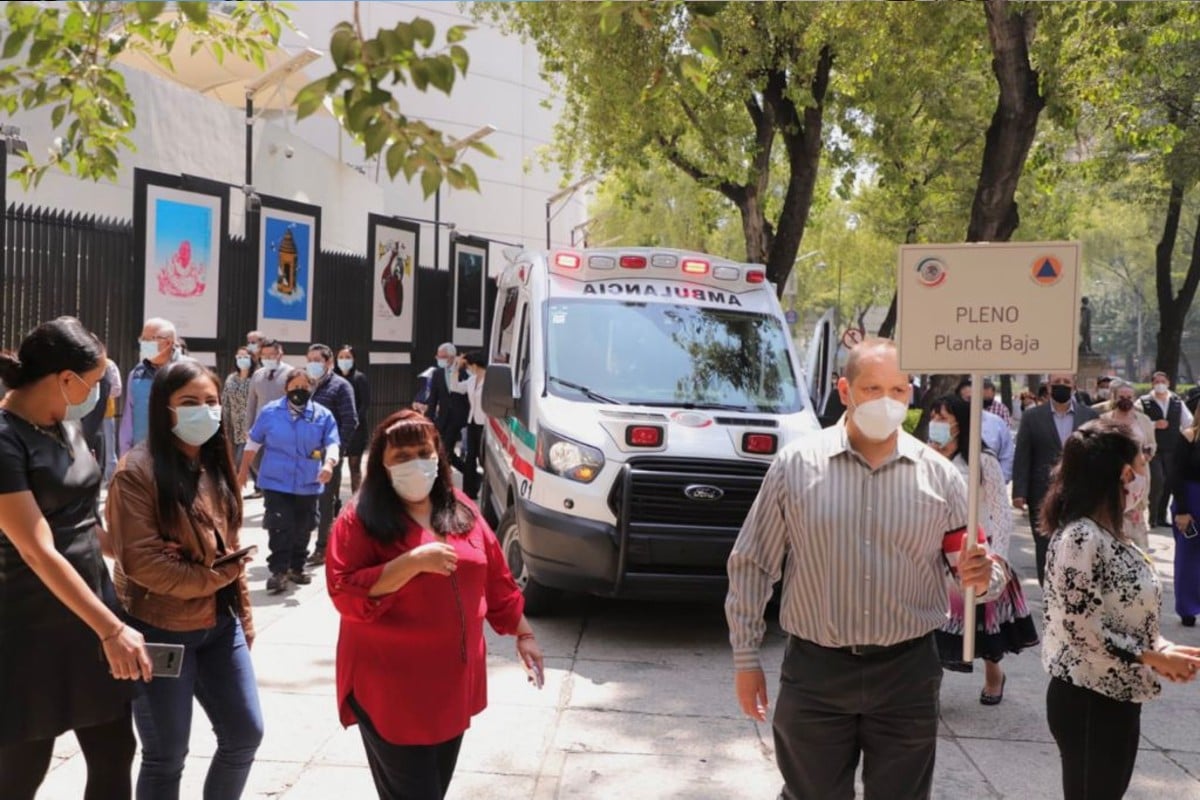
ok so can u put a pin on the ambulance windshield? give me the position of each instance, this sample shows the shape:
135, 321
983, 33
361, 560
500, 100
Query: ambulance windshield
670, 355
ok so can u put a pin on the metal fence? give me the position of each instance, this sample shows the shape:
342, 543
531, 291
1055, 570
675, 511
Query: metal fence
57, 263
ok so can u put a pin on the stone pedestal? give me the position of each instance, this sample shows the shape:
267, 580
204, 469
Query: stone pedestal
1091, 367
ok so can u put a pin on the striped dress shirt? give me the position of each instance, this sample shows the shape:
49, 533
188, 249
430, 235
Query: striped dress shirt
864, 546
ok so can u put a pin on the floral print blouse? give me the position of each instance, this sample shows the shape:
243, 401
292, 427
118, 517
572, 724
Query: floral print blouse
233, 407
1102, 602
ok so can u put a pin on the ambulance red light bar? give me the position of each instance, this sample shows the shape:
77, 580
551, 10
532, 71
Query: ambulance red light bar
633, 262
644, 436
760, 444
567, 260
693, 266
756, 276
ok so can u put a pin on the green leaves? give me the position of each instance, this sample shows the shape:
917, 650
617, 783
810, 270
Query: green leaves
400, 55
62, 57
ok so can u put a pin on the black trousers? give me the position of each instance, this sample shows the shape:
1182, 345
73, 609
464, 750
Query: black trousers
1041, 544
329, 505
289, 520
407, 772
471, 458
1097, 739
1161, 475
834, 707
107, 750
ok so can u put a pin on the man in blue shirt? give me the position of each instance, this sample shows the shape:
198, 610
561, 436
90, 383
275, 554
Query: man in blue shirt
996, 434
336, 394
155, 348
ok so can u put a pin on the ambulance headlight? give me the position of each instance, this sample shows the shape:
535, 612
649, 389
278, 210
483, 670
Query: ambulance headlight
567, 458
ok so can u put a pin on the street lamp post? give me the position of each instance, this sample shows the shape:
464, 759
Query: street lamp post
271, 78
559, 195
458, 145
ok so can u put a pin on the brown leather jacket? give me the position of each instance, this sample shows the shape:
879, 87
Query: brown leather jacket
176, 593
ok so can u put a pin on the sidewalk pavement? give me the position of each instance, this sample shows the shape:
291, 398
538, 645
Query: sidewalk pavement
638, 703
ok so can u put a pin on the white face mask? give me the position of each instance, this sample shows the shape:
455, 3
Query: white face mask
195, 425
148, 350
878, 419
271, 363
413, 479
1135, 490
1160, 388
345, 364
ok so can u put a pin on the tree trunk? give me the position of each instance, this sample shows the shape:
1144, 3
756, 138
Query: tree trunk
994, 214
1173, 308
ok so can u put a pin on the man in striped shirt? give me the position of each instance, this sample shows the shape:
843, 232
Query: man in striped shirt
861, 510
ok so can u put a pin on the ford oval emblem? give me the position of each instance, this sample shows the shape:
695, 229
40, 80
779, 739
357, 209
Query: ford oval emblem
702, 491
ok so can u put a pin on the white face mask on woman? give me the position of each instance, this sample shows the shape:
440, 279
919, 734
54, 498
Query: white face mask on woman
413, 479
879, 418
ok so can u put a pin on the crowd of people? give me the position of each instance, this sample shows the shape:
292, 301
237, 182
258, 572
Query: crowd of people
412, 566
411, 562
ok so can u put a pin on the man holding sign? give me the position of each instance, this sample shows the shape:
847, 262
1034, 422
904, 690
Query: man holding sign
861, 510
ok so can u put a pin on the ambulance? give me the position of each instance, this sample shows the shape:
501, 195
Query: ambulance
635, 399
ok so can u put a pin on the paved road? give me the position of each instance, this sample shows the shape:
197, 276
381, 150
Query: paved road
638, 704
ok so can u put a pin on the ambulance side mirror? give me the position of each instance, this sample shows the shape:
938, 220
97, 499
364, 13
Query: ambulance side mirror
498, 391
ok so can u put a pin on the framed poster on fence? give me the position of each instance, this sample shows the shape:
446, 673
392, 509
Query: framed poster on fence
179, 233
468, 260
392, 253
288, 240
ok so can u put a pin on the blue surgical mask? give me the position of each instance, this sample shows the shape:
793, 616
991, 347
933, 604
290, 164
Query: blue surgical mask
243, 362
148, 350
253, 347
77, 411
316, 370
195, 425
443, 362
345, 364
939, 432
270, 363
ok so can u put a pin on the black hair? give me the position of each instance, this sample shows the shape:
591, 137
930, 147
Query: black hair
269, 342
381, 510
475, 358
323, 349
1086, 482
176, 478
353, 368
60, 345
965, 383
236, 369
960, 409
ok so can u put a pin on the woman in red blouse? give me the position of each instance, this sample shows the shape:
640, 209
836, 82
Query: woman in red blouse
414, 571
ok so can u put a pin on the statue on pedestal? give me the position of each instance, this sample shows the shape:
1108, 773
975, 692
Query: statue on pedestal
1085, 328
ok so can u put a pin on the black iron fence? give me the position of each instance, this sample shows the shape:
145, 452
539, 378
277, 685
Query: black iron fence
57, 263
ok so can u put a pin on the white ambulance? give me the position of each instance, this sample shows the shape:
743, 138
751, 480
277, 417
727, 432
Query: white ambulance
635, 399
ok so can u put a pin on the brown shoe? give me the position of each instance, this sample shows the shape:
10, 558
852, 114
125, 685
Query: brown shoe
300, 577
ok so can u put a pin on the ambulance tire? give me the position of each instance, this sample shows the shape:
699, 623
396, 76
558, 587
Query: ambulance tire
540, 600
486, 508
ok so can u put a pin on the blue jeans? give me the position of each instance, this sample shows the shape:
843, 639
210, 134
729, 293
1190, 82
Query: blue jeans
217, 672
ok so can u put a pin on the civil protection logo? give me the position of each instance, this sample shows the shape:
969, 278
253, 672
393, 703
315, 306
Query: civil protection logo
931, 271
1046, 270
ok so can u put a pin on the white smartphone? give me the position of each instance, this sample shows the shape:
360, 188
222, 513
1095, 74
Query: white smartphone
166, 660
535, 675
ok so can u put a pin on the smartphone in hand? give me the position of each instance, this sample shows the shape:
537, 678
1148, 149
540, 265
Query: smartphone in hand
534, 673
166, 660
236, 555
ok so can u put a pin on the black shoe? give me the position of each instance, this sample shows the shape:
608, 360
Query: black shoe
255, 495
986, 699
299, 576
277, 583
1188, 621
317, 558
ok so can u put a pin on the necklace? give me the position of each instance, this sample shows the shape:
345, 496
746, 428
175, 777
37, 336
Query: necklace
54, 433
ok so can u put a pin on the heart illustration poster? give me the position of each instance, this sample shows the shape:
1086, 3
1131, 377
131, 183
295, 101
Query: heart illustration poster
182, 259
392, 254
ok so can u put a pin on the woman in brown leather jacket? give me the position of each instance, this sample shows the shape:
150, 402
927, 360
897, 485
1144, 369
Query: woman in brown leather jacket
173, 508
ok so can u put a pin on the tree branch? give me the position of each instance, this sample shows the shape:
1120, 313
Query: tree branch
670, 150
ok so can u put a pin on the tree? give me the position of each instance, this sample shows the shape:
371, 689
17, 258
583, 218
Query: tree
711, 88
63, 57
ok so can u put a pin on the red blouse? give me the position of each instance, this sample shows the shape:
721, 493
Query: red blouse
416, 659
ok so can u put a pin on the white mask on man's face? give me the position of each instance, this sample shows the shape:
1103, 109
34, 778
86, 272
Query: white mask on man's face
878, 419
1161, 388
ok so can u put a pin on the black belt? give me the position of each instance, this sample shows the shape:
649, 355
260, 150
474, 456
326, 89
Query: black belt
874, 649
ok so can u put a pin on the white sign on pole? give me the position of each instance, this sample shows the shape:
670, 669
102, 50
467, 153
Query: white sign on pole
1011, 307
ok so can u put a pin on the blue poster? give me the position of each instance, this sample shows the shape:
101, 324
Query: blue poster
286, 268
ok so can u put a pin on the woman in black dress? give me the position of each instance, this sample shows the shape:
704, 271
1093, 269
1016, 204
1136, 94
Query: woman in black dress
347, 367
63, 652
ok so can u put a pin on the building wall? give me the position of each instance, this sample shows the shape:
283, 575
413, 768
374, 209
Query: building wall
179, 131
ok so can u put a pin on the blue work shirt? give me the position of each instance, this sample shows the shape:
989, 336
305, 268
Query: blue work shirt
293, 446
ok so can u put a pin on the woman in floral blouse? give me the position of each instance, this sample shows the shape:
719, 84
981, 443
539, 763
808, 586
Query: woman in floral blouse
234, 400
1101, 642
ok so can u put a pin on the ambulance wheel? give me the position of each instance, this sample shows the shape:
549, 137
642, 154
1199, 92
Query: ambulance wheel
539, 600
486, 508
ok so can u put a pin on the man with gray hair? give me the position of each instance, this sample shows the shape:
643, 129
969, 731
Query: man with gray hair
448, 405
156, 347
